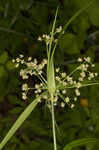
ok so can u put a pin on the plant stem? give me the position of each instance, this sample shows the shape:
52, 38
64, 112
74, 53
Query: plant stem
53, 125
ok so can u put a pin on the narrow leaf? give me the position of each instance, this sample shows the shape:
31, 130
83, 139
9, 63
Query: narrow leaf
52, 35
80, 143
19, 122
50, 65
51, 78
75, 16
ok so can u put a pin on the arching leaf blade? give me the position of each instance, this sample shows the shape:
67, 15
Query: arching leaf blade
80, 142
19, 122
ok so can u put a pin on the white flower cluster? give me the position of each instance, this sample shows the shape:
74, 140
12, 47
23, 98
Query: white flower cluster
47, 38
64, 82
31, 67
85, 67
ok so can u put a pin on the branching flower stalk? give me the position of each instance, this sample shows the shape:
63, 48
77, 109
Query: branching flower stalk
52, 85
55, 87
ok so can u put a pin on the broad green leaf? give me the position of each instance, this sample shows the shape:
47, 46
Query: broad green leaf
16, 110
69, 44
82, 23
39, 18
80, 142
79, 5
3, 72
10, 65
3, 57
19, 122
92, 11
75, 16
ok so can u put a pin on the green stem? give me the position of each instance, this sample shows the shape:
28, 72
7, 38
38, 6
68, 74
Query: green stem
53, 126
83, 85
89, 84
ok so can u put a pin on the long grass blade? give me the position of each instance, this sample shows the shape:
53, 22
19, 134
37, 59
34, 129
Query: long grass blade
80, 142
19, 122
52, 35
50, 65
75, 16
51, 78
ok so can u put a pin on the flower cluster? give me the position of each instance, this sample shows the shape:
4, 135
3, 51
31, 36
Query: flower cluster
64, 82
47, 38
31, 68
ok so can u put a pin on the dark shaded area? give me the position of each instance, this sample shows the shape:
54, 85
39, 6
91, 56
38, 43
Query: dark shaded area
21, 22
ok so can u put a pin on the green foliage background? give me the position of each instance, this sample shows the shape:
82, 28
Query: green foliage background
21, 22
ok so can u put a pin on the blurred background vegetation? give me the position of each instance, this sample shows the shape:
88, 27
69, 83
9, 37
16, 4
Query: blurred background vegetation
21, 22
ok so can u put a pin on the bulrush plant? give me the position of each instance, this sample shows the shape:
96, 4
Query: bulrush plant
53, 85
